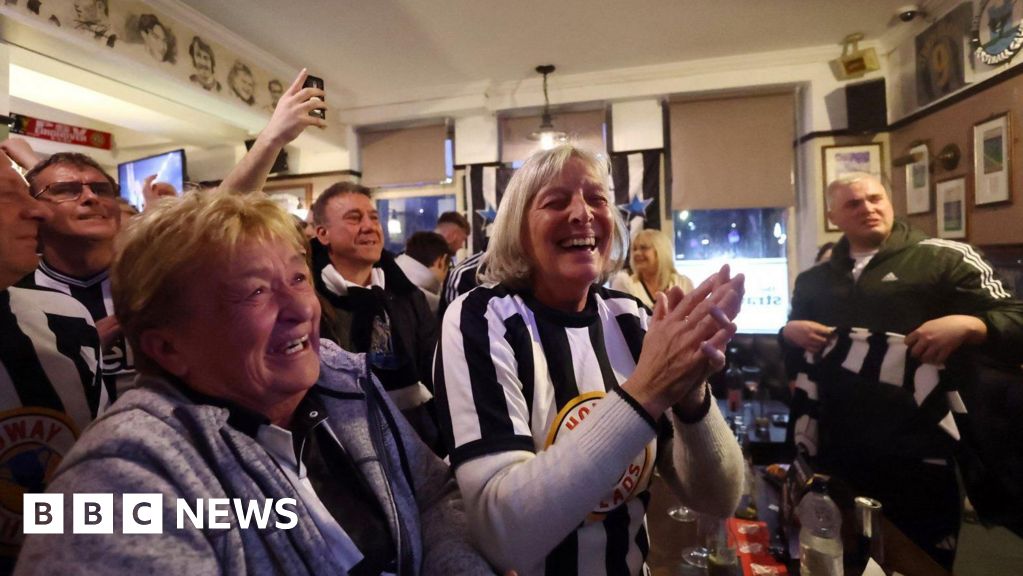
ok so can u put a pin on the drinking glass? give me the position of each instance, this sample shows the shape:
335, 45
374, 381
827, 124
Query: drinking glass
682, 513
708, 532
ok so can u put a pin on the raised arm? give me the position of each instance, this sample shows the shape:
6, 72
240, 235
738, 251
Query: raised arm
20, 151
290, 118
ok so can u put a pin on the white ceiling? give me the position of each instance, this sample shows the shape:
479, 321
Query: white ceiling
401, 61
384, 51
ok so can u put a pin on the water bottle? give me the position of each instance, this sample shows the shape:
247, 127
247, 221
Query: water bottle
820, 534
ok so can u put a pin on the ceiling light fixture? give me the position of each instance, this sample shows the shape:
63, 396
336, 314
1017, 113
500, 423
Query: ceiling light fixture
547, 135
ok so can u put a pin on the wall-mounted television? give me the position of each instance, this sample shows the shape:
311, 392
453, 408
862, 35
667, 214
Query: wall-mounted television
169, 167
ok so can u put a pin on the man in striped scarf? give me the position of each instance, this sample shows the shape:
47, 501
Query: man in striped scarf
886, 277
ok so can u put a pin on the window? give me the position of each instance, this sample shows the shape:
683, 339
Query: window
751, 241
403, 217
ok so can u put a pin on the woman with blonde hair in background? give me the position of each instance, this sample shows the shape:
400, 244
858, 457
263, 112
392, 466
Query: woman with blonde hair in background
653, 268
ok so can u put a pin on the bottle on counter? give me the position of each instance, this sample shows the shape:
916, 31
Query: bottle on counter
868, 519
747, 508
820, 535
734, 382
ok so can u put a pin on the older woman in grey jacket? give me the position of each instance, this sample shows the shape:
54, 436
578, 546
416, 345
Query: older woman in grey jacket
239, 400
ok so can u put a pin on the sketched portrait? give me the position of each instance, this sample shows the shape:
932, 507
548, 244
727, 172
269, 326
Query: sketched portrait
158, 39
94, 16
204, 64
241, 82
276, 90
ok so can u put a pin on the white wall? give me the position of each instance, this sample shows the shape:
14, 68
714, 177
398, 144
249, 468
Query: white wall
476, 139
637, 125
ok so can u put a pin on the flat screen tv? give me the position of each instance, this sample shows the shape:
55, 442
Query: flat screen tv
169, 167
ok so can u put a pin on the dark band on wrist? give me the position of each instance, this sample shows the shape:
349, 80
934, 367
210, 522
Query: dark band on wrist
637, 407
700, 413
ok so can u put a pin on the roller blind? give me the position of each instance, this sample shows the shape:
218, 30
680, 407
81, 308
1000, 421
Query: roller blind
732, 153
584, 129
404, 156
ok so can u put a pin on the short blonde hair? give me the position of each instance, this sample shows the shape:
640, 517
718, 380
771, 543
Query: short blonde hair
159, 252
665, 255
847, 181
505, 261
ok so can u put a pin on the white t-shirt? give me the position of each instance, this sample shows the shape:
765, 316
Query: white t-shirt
860, 261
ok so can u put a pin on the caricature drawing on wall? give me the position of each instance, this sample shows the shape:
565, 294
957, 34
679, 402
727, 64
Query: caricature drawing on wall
204, 63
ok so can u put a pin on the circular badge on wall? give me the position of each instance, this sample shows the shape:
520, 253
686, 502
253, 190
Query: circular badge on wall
997, 34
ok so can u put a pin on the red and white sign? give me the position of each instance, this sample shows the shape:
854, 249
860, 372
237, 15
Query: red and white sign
57, 132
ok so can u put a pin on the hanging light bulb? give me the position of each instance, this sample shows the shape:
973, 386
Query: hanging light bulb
394, 225
546, 134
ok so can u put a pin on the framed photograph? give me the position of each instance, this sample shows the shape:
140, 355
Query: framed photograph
918, 181
991, 166
291, 196
841, 160
950, 197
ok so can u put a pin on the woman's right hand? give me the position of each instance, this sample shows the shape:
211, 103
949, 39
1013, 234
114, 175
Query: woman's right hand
685, 341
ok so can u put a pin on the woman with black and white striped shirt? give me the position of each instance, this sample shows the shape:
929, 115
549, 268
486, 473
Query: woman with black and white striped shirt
557, 398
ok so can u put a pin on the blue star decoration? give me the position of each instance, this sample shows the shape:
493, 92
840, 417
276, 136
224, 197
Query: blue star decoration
637, 207
487, 214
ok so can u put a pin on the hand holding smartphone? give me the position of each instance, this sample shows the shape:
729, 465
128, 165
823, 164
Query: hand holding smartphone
315, 82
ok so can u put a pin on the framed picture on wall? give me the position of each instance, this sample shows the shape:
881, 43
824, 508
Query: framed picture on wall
918, 181
292, 195
991, 166
950, 197
839, 161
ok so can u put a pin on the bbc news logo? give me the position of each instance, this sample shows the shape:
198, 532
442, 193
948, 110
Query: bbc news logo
143, 513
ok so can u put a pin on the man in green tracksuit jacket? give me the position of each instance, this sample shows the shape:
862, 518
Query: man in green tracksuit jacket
888, 277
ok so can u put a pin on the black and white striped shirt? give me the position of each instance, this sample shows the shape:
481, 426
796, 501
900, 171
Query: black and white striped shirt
118, 367
513, 374
50, 390
459, 280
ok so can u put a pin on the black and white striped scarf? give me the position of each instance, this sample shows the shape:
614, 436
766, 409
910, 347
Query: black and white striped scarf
875, 357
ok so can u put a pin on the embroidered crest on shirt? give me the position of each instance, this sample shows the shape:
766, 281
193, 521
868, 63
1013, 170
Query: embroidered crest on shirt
636, 475
33, 441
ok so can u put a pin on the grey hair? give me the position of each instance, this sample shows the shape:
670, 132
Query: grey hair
847, 180
505, 261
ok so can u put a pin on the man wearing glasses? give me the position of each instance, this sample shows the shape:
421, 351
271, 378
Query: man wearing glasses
78, 248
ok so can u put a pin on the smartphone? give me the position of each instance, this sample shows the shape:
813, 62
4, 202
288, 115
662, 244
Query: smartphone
315, 82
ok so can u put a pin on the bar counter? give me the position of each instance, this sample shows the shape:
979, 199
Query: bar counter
668, 537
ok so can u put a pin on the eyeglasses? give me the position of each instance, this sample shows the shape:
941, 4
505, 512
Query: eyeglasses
59, 192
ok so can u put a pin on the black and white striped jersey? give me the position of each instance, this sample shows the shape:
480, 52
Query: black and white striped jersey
513, 374
118, 366
50, 389
459, 280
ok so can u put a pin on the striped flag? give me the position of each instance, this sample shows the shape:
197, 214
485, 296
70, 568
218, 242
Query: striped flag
637, 188
484, 185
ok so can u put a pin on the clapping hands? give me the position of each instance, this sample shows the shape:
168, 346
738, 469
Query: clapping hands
685, 342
